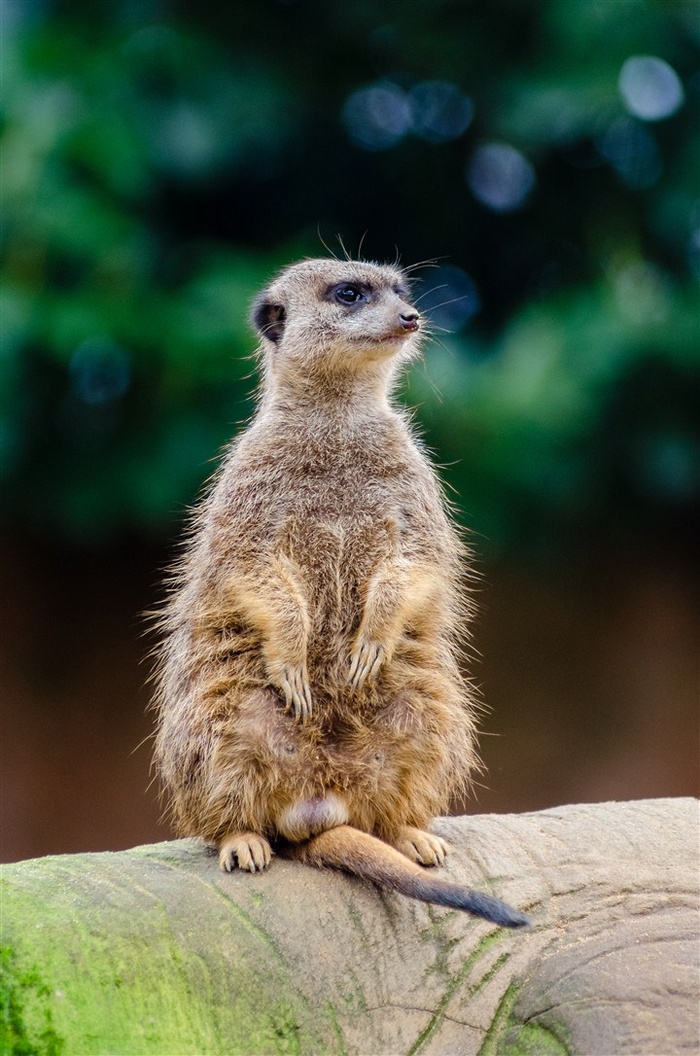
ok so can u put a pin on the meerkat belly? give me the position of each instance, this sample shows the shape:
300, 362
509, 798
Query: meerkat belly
276, 776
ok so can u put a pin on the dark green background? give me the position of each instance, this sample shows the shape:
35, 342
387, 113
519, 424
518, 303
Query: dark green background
162, 159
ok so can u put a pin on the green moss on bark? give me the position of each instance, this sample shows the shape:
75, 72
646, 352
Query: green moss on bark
509, 1036
128, 967
26, 1025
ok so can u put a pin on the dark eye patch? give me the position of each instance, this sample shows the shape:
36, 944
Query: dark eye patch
349, 294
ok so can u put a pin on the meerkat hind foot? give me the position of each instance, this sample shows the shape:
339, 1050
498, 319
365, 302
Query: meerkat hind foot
247, 850
422, 847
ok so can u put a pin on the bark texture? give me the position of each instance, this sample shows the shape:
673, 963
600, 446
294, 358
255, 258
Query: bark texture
155, 951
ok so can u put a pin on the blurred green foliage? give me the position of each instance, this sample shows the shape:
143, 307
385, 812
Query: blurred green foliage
162, 158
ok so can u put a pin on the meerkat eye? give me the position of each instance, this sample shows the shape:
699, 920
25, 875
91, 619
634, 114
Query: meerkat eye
348, 294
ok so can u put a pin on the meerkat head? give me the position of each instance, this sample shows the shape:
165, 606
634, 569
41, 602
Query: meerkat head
336, 317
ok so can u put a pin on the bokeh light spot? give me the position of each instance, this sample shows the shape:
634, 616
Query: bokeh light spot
500, 177
377, 117
632, 151
440, 111
650, 88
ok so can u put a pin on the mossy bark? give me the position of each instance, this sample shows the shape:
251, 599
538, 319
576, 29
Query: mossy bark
155, 951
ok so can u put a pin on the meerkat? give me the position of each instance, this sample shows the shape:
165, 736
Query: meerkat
309, 691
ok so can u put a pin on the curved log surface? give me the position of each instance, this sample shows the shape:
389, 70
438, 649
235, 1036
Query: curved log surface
155, 951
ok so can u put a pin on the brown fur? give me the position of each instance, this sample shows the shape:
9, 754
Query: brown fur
309, 675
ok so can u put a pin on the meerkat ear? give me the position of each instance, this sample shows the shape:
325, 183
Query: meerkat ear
268, 318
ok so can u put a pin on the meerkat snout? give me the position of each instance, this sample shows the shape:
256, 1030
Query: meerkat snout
410, 321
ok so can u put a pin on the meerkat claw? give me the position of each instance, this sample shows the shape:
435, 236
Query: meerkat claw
365, 663
422, 847
247, 850
297, 693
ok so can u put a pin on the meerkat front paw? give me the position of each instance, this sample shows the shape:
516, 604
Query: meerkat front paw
247, 850
422, 847
365, 661
294, 683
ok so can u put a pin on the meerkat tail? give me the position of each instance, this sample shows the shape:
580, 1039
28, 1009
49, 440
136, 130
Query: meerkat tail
356, 852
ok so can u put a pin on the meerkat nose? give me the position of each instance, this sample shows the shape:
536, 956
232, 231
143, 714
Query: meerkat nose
409, 320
